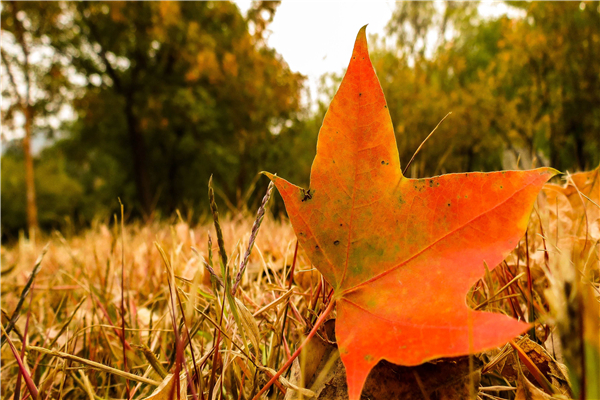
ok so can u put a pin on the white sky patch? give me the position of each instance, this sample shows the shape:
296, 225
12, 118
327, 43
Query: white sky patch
495, 9
317, 37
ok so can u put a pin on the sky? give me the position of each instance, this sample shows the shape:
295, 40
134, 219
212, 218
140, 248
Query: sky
316, 36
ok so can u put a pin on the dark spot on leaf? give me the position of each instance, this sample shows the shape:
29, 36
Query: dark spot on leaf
382, 162
341, 224
306, 194
360, 94
448, 204
336, 242
317, 247
385, 106
501, 187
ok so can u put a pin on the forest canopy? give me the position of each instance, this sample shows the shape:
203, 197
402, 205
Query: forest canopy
166, 94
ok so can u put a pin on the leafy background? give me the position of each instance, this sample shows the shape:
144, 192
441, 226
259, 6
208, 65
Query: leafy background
164, 94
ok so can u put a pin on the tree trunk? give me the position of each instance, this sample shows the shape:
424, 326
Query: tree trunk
140, 167
25, 102
32, 216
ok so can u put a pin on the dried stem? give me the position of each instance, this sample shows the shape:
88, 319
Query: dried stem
289, 362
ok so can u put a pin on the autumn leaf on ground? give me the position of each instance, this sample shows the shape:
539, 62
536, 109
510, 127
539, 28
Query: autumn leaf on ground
167, 389
573, 214
574, 211
401, 254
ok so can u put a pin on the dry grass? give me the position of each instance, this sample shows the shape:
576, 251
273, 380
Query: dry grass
74, 309
87, 269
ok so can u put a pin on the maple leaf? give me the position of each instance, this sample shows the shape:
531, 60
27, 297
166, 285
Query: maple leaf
401, 254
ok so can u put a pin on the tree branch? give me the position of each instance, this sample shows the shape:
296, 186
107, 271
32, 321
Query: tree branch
20, 36
11, 78
102, 53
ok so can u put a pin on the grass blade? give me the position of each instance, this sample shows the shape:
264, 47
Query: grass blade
28, 381
16, 314
93, 364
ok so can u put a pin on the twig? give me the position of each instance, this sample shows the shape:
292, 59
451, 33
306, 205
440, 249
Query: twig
535, 371
419, 148
289, 362
123, 293
94, 365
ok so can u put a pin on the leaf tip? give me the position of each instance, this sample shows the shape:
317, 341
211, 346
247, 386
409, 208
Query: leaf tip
361, 39
548, 173
272, 177
553, 172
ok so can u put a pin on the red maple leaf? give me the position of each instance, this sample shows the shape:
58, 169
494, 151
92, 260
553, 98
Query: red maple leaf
401, 254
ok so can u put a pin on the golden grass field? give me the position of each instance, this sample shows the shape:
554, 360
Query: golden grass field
68, 331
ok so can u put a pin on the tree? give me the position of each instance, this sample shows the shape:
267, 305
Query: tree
423, 81
551, 60
59, 195
175, 92
523, 86
32, 88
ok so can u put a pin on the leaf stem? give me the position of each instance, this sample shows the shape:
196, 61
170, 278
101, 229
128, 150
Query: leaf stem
289, 362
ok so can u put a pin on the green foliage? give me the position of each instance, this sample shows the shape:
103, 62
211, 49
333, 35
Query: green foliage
517, 87
59, 195
13, 193
175, 92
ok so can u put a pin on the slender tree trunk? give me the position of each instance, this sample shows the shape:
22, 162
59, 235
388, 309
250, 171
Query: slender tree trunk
241, 178
140, 165
32, 215
25, 102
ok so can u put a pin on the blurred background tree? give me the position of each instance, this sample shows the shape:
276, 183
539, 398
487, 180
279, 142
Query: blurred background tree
523, 88
165, 94
176, 92
33, 80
